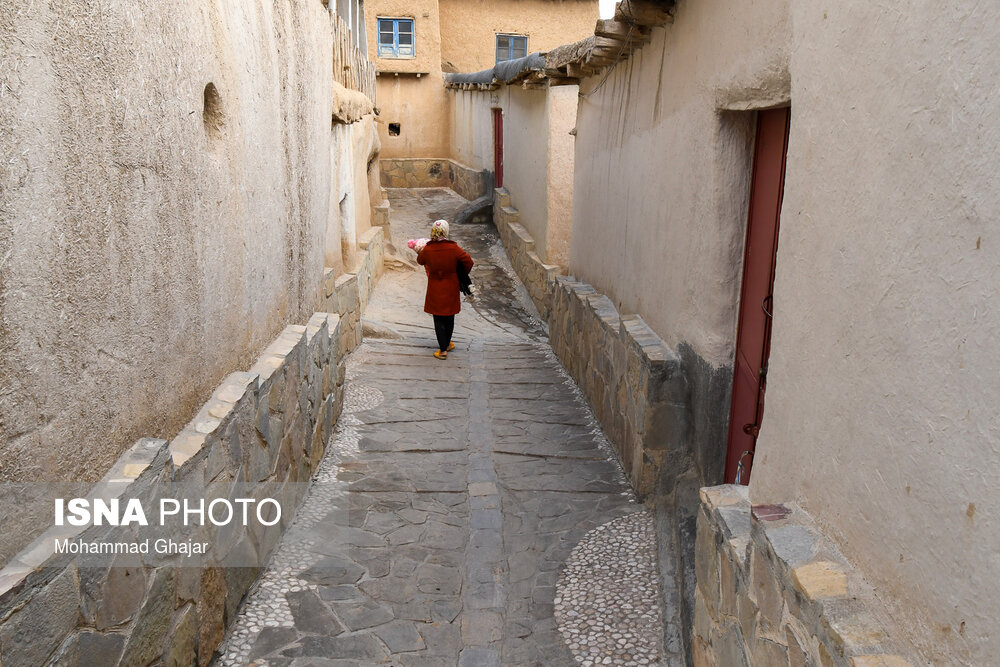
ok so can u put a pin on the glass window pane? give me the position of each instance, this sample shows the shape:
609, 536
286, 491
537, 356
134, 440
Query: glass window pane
406, 26
519, 52
385, 25
405, 38
503, 42
385, 38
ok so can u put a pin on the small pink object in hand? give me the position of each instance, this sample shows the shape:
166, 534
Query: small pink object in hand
417, 244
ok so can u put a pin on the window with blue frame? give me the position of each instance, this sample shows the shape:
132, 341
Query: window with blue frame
510, 47
395, 38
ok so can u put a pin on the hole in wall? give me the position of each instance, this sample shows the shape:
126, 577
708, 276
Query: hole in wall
393, 129
212, 114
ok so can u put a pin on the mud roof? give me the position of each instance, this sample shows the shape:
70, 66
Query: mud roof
508, 71
613, 40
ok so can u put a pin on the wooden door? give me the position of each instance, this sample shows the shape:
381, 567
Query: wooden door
498, 146
753, 337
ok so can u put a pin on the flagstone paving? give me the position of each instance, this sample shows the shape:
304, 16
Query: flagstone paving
439, 525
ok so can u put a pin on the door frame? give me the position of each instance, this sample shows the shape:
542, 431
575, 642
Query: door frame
741, 440
498, 146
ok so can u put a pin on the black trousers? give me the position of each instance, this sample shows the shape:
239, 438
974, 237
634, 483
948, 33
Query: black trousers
444, 326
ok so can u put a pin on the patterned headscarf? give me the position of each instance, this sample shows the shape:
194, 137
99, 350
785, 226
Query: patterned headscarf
439, 230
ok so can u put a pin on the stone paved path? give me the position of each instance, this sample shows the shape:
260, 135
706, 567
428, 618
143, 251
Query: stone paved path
452, 496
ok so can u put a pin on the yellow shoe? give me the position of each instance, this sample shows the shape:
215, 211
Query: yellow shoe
451, 346
441, 355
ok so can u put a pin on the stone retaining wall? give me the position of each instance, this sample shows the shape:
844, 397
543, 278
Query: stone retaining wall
435, 173
260, 435
772, 590
538, 277
630, 377
348, 293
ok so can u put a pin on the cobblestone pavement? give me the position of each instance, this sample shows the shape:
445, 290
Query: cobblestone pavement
439, 525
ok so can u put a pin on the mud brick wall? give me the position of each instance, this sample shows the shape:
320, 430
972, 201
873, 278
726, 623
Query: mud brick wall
772, 590
262, 432
434, 173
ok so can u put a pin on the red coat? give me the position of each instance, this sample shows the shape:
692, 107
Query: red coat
441, 259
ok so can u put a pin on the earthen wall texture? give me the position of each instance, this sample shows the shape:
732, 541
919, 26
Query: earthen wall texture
525, 157
261, 435
661, 182
883, 275
538, 155
417, 105
880, 417
157, 231
469, 28
141, 226
420, 107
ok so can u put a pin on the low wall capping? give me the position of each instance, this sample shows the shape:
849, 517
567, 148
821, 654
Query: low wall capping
348, 293
772, 589
435, 173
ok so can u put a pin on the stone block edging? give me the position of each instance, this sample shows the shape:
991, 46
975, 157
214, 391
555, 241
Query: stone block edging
264, 432
538, 278
772, 589
435, 173
348, 293
631, 378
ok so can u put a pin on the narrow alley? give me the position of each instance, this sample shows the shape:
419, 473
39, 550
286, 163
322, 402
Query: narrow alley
466, 512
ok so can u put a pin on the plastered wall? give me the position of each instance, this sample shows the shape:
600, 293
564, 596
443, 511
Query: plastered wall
421, 109
456, 36
146, 251
525, 157
881, 412
660, 195
417, 104
538, 155
470, 27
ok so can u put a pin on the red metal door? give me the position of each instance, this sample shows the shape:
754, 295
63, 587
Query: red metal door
753, 337
498, 146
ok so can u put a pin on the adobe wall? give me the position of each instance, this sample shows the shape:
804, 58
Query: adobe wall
421, 109
662, 167
881, 415
879, 390
471, 29
661, 177
538, 155
417, 104
141, 226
